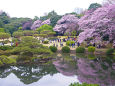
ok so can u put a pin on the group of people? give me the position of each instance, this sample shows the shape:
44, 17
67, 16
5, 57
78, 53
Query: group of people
60, 42
2, 44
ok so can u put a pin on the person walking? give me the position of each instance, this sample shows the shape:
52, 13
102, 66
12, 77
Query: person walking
78, 44
93, 44
11, 44
70, 44
16, 44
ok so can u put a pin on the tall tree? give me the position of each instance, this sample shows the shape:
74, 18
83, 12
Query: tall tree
98, 24
94, 6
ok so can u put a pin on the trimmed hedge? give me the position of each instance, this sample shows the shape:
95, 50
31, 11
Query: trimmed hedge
65, 49
110, 51
46, 42
91, 49
69, 42
80, 50
53, 48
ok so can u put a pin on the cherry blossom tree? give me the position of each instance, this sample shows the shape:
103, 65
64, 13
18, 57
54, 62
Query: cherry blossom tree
39, 23
67, 23
27, 25
110, 1
98, 23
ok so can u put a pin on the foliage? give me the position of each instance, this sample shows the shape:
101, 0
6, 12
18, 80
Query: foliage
52, 38
94, 6
91, 56
14, 40
6, 48
53, 16
28, 47
10, 24
46, 42
66, 34
110, 51
44, 27
73, 33
4, 18
35, 35
83, 84
53, 48
80, 15
42, 35
18, 34
54, 20
67, 23
65, 49
48, 32
80, 50
29, 32
2, 30
97, 24
5, 41
91, 49
14, 24
27, 25
70, 42
4, 35
4, 60
105, 37
51, 33
20, 28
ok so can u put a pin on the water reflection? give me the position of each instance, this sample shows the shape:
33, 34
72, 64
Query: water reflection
69, 68
29, 73
100, 71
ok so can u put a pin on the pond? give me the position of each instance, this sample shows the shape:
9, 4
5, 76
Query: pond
62, 71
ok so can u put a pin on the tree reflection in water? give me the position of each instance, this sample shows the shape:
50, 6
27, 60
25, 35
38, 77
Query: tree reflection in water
29, 73
90, 69
98, 70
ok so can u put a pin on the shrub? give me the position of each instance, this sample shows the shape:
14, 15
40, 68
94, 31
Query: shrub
52, 38
109, 45
42, 35
69, 42
80, 50
46, 42
83, 45
6, 47
53, 48
110, 51
65, 49
83, 84
91, 49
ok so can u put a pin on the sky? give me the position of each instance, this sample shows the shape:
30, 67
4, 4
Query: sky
31, 8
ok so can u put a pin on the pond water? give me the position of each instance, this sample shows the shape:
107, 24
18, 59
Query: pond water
62, 71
